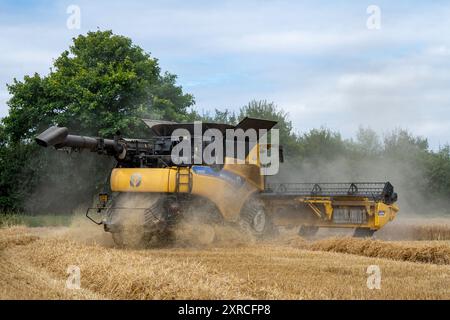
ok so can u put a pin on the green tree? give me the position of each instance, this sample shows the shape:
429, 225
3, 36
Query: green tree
438, 172
270, 111
368, 142
102, 84
321, 143
403, 145
225, 116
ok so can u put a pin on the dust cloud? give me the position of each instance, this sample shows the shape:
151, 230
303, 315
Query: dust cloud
408, 180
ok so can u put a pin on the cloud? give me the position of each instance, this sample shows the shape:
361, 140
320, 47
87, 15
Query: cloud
409, 92
317, 60
296, 41
25, 50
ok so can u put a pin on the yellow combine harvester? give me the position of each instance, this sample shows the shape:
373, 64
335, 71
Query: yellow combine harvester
230, 192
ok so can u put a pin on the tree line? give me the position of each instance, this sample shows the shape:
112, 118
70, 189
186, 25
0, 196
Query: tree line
104, 83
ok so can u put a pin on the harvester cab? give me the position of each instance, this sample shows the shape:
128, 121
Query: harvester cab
170, 177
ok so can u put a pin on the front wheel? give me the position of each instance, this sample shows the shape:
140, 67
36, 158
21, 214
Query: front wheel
142, 220
255, 219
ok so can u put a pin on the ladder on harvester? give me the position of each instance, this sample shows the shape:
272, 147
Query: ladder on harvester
183, 181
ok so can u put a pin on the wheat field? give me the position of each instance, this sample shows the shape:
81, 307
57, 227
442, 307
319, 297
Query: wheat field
34, 264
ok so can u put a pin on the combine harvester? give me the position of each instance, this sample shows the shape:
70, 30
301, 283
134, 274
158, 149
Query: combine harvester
226, 193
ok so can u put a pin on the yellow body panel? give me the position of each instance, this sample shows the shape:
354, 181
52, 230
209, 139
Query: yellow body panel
251, 170
384, 213
378, 213
143, 180
228, 195
228, 199
228, 190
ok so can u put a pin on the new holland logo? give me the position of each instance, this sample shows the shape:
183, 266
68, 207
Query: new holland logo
135, 180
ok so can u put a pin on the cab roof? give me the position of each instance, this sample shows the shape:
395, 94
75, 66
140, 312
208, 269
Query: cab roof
166, 128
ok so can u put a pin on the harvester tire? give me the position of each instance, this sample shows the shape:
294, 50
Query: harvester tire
255, 220
129, 237
149, 227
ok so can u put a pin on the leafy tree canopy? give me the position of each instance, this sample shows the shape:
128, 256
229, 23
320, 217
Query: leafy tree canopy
102, 84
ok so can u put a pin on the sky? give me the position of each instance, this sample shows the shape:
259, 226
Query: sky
336, 64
